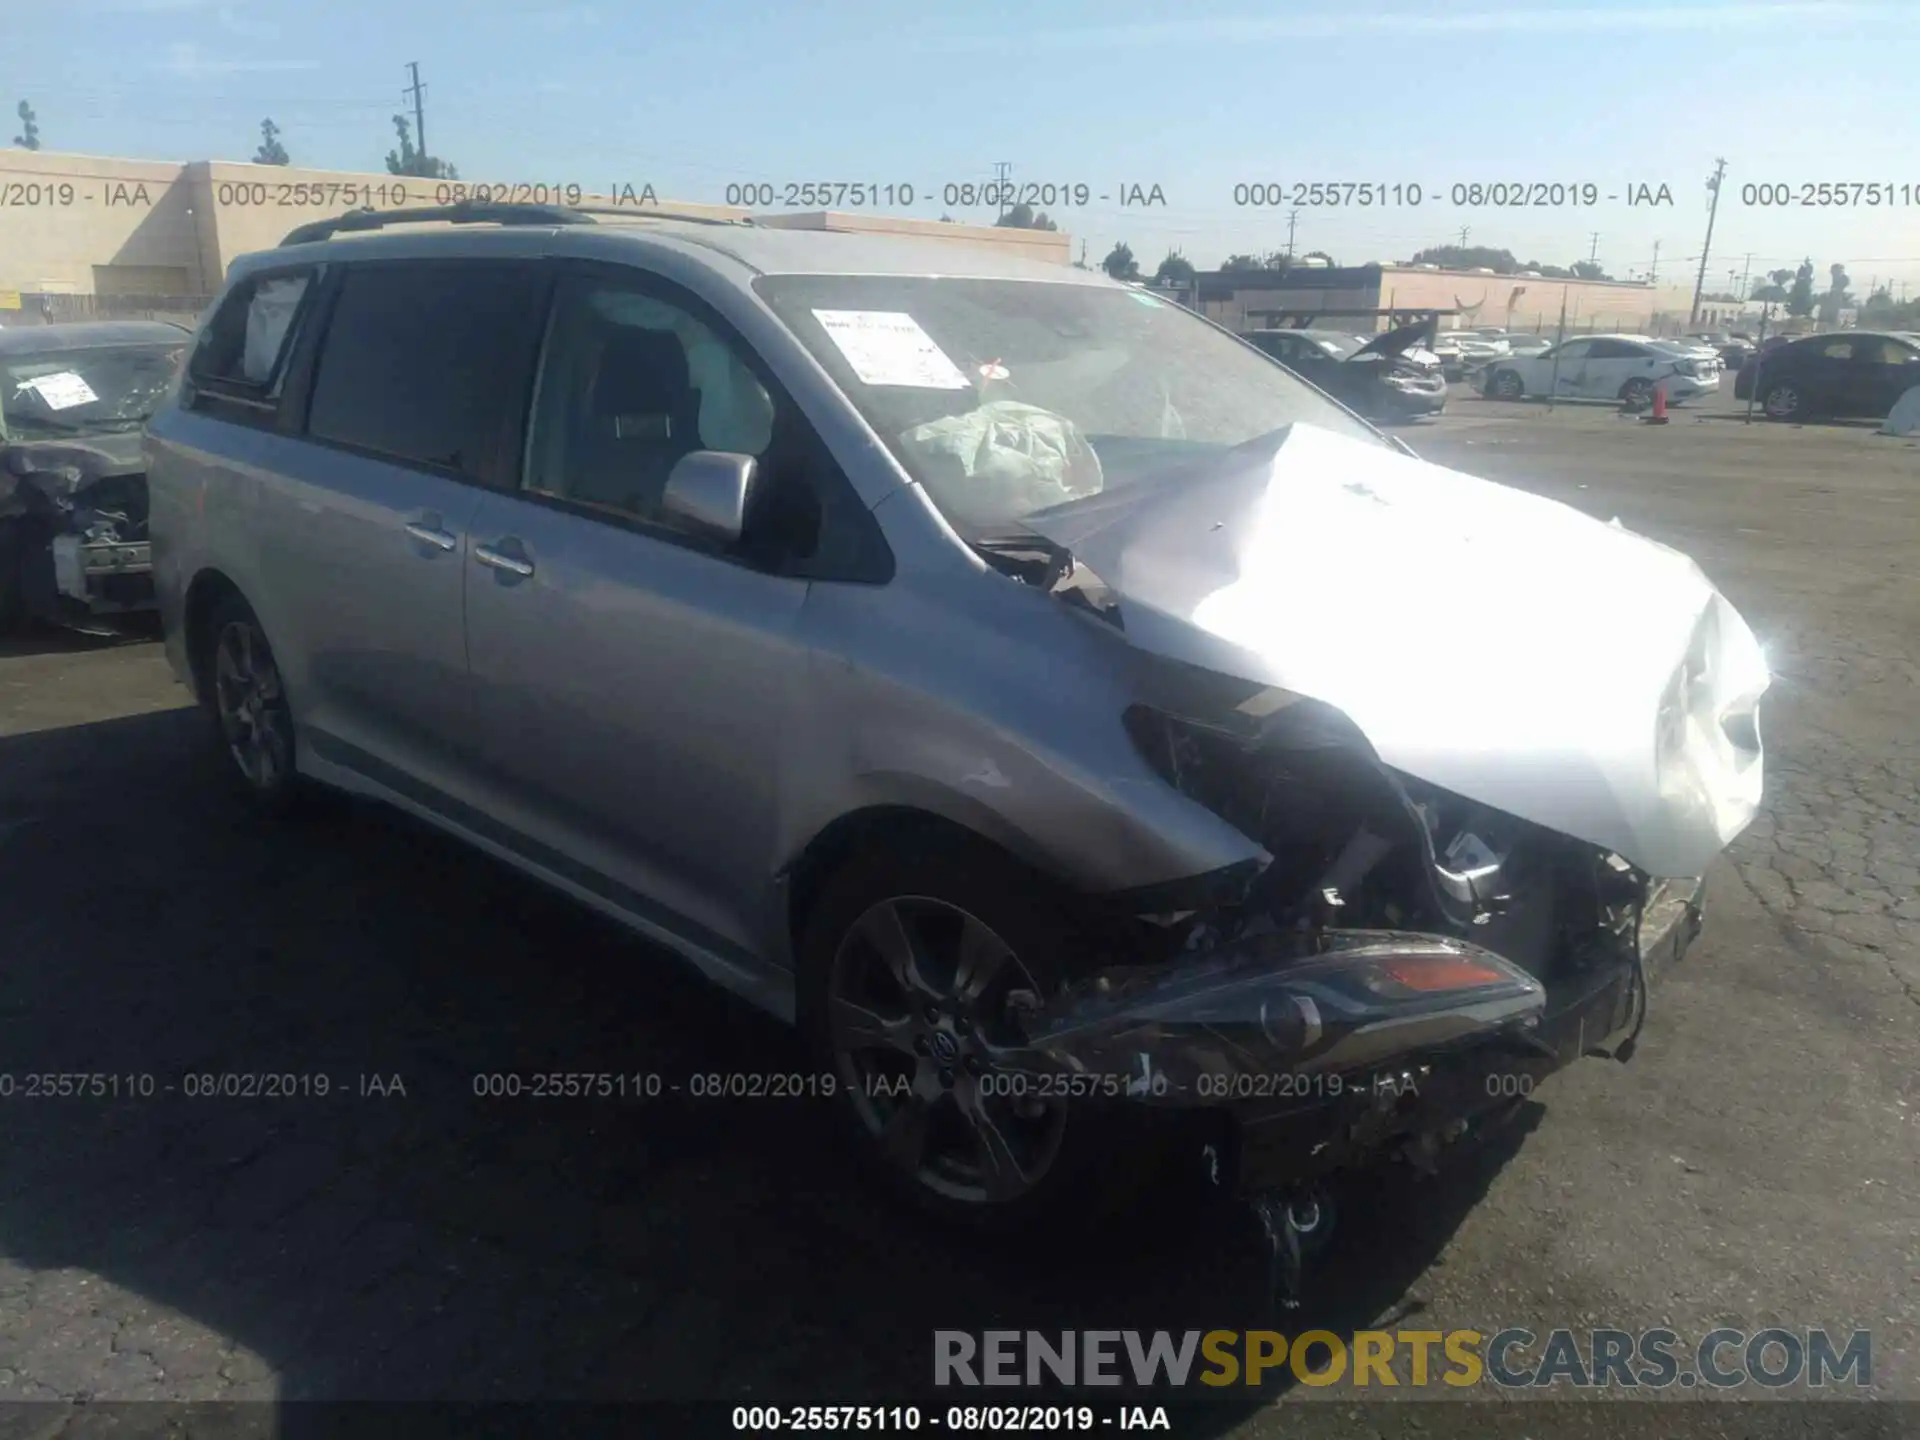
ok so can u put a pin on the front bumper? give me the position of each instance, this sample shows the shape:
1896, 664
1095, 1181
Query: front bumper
1392, 400
1379, 1042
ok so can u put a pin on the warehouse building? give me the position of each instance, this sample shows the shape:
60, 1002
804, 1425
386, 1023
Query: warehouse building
1366, 297
83, 235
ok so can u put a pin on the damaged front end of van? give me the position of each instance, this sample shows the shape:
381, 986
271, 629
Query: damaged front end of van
1486, 746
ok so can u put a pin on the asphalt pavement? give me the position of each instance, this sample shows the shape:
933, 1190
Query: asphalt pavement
401, 1237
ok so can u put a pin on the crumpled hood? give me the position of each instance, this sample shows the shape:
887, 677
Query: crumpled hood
1499, 645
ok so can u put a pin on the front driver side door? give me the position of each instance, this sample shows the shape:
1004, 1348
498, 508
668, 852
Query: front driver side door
634, 684
1570, 376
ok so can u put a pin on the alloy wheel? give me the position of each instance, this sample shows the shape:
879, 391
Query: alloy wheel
1781, 401
1506, 385
922, 997
252, 705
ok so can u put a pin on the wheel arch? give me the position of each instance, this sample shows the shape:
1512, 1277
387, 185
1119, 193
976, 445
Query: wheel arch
900, 822
204, 594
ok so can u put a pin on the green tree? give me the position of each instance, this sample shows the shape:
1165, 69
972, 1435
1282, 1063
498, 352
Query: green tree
1023, 217
29, 136
1774, 291
271, 151
1120, 263
1587, 270
1800, 301
409, 161
1277, 261
1467, 257
1176, 269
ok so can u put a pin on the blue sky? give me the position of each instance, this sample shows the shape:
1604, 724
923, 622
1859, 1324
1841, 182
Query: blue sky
1194, 99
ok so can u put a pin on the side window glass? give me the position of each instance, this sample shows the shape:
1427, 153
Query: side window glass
1575, 350
1838, 350
421, 360
241, 360
633, 383
632, 380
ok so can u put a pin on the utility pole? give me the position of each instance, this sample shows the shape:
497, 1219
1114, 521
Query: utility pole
1464, 232
1653, 270
1746, 271
419, 93
1292, 215
1001, 170
1719, 171
1593, 255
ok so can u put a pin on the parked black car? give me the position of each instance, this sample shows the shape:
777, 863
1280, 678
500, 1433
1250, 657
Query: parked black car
1386, 378
1851, 372
73, 485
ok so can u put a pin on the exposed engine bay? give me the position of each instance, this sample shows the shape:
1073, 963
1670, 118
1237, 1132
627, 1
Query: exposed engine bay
73, 528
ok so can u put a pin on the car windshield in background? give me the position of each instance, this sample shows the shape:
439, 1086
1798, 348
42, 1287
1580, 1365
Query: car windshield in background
1004, 397
72, 391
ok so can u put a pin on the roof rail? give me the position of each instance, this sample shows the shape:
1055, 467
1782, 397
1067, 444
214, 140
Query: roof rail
474, 212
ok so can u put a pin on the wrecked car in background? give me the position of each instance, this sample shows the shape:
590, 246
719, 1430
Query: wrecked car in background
1381, 377
1037, 693
73, 497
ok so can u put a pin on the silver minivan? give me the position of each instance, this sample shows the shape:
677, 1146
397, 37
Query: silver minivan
1109, 750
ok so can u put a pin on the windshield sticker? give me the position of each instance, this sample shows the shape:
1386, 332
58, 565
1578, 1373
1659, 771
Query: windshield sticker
994, 370
888, 347
62, 391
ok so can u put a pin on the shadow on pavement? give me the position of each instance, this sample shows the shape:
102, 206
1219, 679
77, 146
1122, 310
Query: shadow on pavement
398, 1236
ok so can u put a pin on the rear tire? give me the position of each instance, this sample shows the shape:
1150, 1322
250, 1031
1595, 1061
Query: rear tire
914, 965
246, 701
1637, 392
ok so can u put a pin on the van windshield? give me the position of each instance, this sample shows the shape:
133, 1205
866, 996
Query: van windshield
1004, 397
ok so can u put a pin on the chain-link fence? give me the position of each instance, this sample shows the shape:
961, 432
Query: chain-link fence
49, 309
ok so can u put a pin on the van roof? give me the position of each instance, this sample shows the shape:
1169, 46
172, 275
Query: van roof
766, 249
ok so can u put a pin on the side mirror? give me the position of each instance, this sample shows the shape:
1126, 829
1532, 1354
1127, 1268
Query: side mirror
707, 493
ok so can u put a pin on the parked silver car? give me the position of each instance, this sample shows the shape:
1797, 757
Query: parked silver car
1030, 688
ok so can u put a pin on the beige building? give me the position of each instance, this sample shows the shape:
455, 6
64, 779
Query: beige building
1364, 297
100, 235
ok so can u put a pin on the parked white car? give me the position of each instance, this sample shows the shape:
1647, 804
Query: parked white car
1692, 345
1605, 367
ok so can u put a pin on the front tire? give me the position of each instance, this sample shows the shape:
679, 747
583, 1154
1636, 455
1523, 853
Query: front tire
1507, 385
247, 701
915, 965
1784, 401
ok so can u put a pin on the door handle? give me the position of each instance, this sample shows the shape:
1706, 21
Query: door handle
429, 534
500, 560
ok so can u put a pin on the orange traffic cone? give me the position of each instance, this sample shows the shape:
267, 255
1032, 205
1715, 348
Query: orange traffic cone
1659, 415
